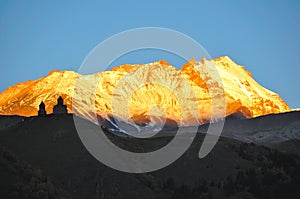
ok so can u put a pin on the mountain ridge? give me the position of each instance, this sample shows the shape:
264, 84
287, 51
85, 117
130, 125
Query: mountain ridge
242, 93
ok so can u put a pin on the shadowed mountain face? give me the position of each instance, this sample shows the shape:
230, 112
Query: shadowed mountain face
233, 169
267, 129
273, 128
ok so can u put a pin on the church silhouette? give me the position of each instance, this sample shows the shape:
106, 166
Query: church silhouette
59, 108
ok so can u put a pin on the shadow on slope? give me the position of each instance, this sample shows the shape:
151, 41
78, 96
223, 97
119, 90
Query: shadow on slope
232, 169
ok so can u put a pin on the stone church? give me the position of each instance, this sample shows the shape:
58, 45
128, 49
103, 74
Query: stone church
59, 108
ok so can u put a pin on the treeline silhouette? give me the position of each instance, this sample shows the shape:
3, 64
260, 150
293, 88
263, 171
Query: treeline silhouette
24, 181
276, 175
63, 167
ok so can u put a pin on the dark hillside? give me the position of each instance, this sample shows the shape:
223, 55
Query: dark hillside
233, 169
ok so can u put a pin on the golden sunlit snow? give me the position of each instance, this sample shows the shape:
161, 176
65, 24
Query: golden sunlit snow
142, 91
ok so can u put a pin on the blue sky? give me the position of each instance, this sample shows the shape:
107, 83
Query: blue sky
264, 36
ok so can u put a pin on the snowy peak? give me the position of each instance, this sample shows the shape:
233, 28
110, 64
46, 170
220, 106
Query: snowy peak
154, 90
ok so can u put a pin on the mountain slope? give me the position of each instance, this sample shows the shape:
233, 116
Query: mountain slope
233, 169
268, 129
20, 180
155, 89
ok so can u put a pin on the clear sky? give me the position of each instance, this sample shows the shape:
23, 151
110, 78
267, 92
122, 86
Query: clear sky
264, 36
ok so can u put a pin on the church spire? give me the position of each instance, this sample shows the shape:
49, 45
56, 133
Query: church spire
60, 108
42, 110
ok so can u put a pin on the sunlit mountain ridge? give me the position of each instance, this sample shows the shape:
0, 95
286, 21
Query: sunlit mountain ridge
149, 92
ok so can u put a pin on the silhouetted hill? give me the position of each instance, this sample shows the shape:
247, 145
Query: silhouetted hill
9, 121
20, 180
233, 169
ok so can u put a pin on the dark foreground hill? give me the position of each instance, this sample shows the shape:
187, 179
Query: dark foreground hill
50, 146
